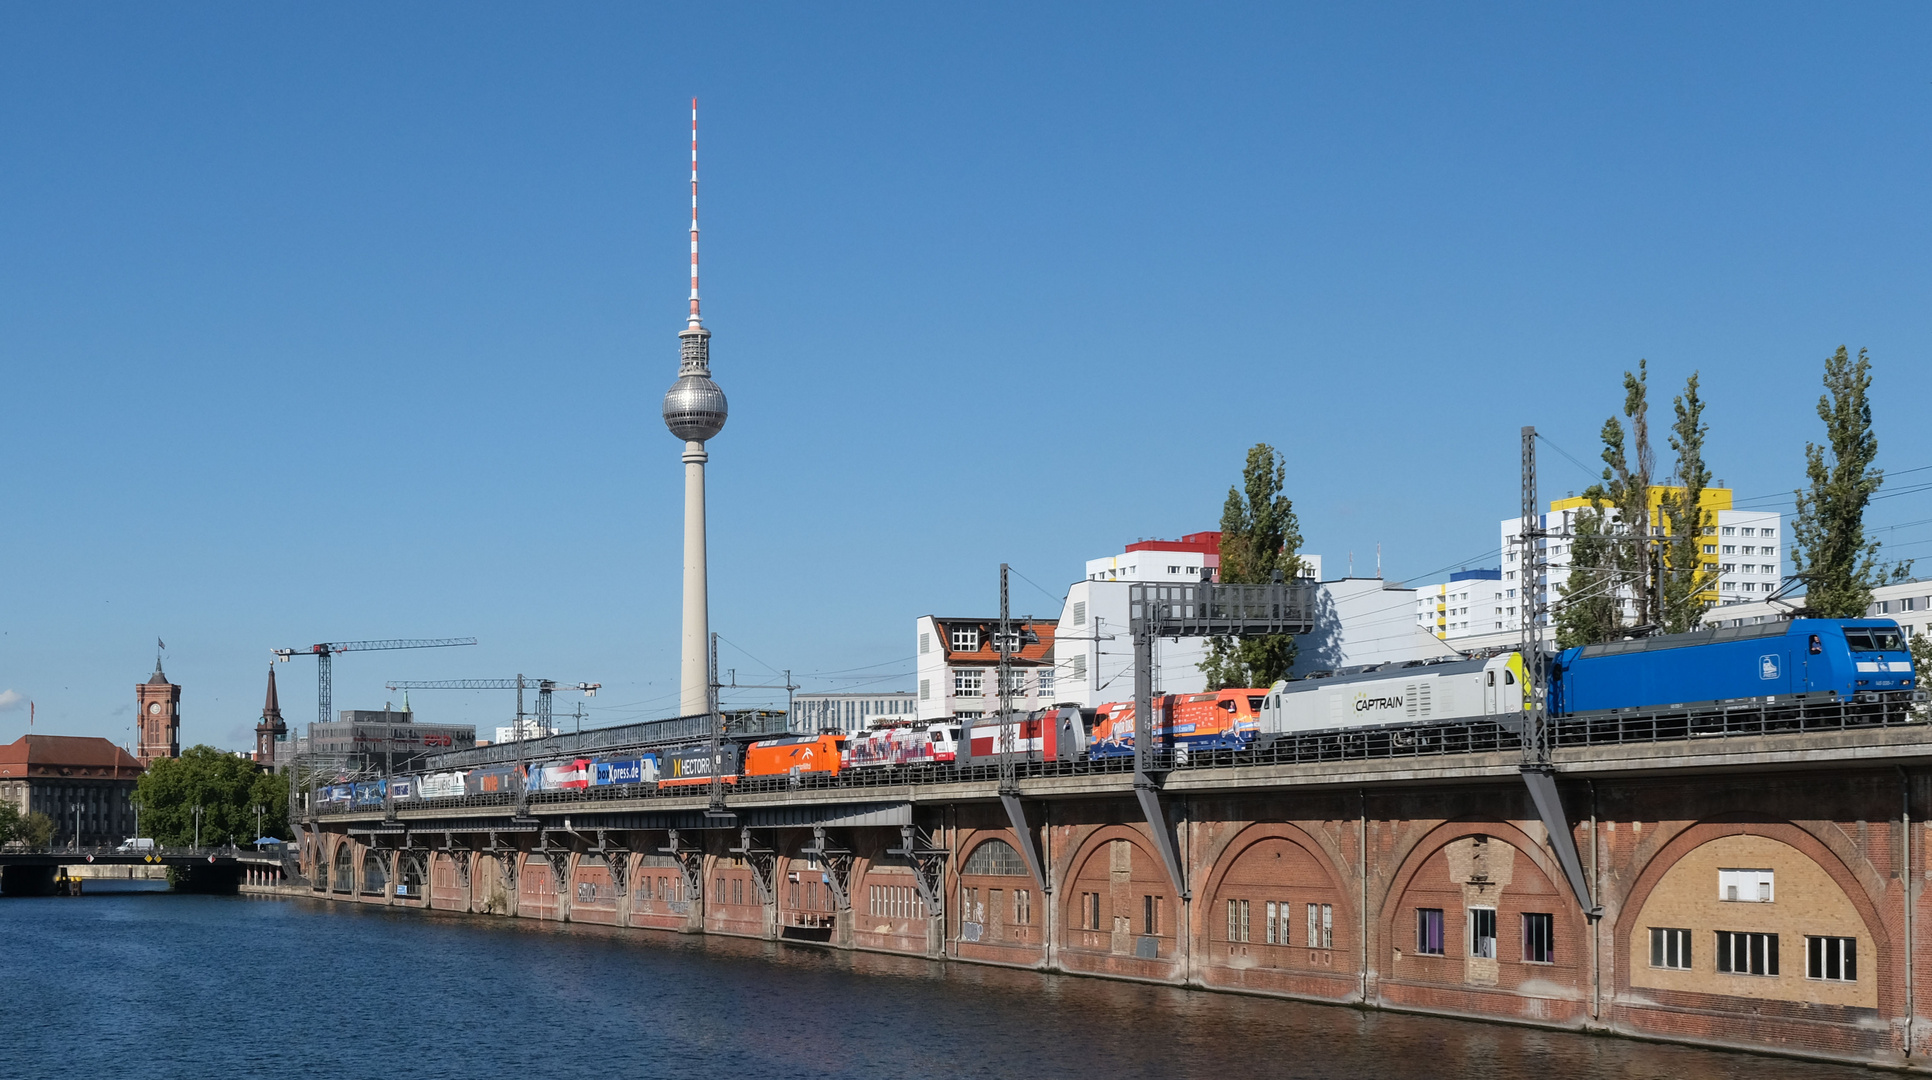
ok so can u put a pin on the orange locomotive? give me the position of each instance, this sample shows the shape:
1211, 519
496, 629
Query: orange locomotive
791, 755
1216, 720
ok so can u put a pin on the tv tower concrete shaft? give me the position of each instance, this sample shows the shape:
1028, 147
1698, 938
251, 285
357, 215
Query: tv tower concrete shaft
694, 410
694, 672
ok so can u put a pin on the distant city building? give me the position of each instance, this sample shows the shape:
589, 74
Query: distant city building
374, 739
271, 732
1175, 560
1741, 552
1908, 603
1364, 621
157, 704
529, 727
957, 666
852, 712
1093, 659
58, 775
1470, 602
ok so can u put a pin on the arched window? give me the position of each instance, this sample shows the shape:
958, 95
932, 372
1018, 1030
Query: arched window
995, 858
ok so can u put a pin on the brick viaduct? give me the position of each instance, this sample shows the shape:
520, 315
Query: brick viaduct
1398, 884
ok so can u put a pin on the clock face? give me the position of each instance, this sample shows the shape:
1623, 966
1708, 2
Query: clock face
154, 708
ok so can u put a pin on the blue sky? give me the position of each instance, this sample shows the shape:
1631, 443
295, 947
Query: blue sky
351, 321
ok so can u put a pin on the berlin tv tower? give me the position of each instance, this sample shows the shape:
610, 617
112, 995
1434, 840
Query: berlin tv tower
694, 410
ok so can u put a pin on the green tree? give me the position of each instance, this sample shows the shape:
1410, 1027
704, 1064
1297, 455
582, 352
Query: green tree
1259, 537
1611, 557
36, 830
1685, 578
9, 822
226, 787
1829, 549
1922, 663
1588, 613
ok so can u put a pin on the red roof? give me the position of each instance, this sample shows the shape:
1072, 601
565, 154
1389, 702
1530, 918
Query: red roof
1206, 543
1030, 653
66, 755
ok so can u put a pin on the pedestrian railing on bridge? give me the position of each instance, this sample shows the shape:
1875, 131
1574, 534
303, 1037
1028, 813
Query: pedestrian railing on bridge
1711, 721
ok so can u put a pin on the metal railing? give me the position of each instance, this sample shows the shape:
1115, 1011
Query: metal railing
1717, 720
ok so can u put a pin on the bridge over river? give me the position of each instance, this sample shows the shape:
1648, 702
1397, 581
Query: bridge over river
1740, 879
201, 869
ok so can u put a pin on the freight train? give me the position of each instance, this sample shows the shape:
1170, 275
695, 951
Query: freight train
1796, 664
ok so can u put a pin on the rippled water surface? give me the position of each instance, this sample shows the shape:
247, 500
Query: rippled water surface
195, 986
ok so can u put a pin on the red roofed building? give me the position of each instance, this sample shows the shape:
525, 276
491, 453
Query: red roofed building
958, 663
58, 775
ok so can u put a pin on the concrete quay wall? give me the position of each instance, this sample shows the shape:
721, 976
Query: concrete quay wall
1427, 890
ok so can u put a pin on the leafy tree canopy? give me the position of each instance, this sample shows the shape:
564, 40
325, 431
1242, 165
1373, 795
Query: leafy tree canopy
226, 787
1829, 549
1259, 536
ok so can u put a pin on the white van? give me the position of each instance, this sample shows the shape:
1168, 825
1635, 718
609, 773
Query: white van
136, 843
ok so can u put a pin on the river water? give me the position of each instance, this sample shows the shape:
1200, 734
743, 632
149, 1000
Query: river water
158, 985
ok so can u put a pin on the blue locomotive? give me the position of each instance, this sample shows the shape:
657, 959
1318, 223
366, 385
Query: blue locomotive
1850, 660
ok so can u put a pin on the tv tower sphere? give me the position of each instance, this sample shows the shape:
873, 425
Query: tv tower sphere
694, 407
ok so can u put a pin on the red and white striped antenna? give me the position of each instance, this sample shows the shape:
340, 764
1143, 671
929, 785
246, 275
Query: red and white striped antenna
694, 320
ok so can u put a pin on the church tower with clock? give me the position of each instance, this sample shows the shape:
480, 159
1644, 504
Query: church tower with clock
158, 710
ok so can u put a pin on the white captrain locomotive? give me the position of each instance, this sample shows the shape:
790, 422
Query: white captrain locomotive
1418, 692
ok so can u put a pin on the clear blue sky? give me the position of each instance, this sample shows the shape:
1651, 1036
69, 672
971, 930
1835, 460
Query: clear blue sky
322, 322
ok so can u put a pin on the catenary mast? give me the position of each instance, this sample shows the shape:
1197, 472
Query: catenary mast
694, 410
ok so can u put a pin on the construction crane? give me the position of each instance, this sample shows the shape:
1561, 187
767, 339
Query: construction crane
543, 687
324, 680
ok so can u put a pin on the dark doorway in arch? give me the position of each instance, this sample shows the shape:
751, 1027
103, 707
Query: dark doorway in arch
411, 882
375, 874
342, 876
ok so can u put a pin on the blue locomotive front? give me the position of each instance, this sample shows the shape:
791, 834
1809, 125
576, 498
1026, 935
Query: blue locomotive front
1846, 659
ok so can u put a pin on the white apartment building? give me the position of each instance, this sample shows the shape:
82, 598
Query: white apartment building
1176, 560
1093, 652
851, 711
1744, 548
958, 666
1908, 603
1365, 621
1471, 602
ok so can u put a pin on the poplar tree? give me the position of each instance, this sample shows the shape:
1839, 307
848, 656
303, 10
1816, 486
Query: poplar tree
1259, 536
1610, 556
1685, 578
1829, 549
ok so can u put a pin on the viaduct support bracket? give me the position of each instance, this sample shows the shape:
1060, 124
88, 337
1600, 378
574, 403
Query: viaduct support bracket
838, 866
1541, 780
763, 862
928, 867
1150, 805
1016, 814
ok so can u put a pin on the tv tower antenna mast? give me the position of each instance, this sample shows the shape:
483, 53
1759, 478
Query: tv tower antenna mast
694, 410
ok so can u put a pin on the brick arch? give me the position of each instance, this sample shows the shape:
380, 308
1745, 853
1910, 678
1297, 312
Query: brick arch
1090, 847
345, 847
1227, 850
1801, 840
1440, 837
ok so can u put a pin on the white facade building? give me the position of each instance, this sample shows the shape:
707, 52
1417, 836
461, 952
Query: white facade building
1471, 602
1364, 621
1908, 603
1746, 545
958, 666
851, 711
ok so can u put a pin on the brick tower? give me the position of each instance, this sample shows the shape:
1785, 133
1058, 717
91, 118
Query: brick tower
158, 705
272, 729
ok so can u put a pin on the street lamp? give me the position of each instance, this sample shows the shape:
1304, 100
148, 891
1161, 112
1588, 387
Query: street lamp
259, 810
77, 826
197, 828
